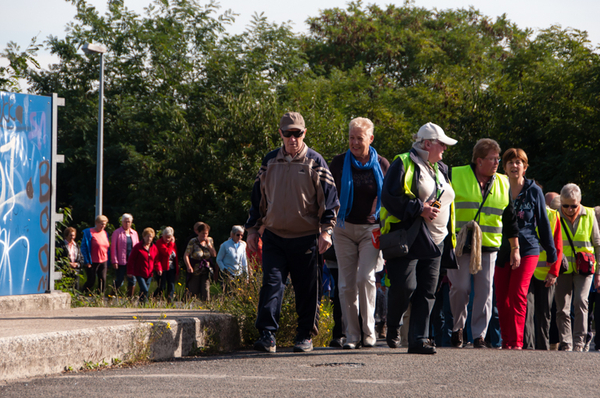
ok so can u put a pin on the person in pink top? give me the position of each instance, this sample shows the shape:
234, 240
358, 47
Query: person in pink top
122, 241
142, 263
94, 247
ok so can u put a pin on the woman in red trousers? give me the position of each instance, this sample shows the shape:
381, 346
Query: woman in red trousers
512, 282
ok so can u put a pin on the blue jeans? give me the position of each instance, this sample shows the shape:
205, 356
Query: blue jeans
144, 284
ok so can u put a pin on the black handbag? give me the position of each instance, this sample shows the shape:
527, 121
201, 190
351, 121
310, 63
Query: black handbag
397, 243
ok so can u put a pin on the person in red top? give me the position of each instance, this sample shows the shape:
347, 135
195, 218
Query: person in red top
142, 262
94, 247
166, 263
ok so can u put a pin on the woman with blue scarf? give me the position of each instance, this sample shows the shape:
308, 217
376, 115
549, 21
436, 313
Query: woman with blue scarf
358, 175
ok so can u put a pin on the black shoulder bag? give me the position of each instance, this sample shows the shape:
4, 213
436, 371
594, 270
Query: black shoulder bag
397, 243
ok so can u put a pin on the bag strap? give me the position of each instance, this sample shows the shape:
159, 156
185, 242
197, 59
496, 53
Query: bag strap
485, 196
568, 235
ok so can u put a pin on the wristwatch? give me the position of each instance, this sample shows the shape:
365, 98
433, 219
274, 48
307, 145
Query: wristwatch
329, 231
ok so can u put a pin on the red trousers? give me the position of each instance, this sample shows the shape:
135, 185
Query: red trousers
511, 298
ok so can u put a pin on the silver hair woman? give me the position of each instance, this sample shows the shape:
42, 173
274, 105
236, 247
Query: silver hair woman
580, 225
232, 258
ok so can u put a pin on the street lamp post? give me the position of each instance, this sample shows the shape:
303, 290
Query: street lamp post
90, 48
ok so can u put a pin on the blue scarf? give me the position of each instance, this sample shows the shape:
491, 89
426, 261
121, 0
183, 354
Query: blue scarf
347, 189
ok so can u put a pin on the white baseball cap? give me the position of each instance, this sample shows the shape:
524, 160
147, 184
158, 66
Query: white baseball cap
432, 131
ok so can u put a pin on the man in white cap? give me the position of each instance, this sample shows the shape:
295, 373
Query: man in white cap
417, 197
294, 209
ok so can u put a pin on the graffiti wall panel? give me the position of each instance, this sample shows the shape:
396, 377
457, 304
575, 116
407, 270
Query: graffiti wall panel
25, 190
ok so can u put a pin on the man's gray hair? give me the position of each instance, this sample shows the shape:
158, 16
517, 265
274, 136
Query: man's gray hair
237, 229
362, 123
571, 191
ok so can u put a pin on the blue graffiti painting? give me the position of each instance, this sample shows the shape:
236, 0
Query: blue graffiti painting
25, 189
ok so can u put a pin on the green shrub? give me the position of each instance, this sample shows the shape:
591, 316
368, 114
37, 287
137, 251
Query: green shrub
240, 299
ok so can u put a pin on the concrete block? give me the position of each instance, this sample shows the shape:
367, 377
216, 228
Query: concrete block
53, 352
35, 302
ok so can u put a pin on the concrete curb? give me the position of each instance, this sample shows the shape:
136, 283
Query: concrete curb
53, 352
35, 302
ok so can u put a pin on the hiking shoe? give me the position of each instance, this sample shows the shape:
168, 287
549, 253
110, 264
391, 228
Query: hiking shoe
565, 347
479, 342
337, 343
303, 345
422, 348
457, 338
266, 342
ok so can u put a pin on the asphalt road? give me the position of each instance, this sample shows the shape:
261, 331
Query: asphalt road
327, 372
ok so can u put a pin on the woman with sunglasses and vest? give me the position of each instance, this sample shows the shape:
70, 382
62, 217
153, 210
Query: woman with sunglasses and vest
417, 194
512, 281
580, 231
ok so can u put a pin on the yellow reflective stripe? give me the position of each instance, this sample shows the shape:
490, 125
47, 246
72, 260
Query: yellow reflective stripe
409, 171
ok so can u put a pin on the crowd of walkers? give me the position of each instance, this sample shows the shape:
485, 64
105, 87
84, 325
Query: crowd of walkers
463, 255
141, 261
420, 253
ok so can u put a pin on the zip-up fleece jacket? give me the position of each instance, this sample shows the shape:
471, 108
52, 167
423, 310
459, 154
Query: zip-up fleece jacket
293, 198
118, 245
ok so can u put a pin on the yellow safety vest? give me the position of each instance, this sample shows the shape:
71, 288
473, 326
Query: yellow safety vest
542, 268
581, 240
468, 199
388, 219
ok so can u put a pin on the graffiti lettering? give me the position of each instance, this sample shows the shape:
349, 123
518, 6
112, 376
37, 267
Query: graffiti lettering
45, 180
24, 167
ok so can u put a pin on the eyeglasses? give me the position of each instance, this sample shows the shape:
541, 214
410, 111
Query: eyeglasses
493, 159
570, 206
289, 133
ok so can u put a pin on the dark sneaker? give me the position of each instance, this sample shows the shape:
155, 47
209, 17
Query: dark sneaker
303, 345
352, 346
457, 338
479, 342
392, 342
422, 348
337, 343
266, 342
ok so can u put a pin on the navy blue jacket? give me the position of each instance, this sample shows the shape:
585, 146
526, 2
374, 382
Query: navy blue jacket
530, 211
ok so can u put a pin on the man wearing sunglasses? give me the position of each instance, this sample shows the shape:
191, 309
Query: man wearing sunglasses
294, 209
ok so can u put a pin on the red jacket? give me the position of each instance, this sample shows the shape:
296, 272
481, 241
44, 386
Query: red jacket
142, 262
164, 252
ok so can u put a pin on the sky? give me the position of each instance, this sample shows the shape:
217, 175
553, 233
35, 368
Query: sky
24, 19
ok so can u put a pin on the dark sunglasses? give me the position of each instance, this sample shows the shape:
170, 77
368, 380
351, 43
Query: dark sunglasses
239, 234
288, 133
570, 206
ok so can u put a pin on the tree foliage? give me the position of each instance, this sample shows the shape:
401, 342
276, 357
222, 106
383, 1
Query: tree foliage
190, 110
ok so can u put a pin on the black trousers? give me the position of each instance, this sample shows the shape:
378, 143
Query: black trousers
298, 258
97, 269
537, 322
338, 330
412, 282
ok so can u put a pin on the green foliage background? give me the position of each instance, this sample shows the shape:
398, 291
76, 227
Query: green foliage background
191, 110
